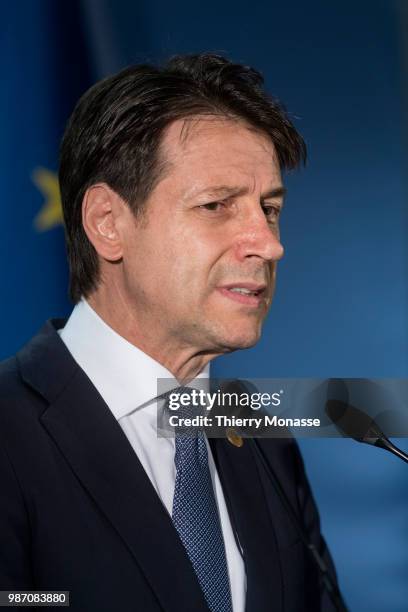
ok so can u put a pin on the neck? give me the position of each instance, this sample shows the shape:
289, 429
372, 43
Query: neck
184, 362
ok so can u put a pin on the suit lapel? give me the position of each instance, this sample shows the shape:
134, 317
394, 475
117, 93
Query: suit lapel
102, 458
245, 497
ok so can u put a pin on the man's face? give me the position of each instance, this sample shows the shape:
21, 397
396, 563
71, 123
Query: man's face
200, 267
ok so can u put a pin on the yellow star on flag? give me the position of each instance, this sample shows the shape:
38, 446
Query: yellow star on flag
50, 214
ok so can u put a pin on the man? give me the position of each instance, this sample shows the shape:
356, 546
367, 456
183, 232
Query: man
172, 190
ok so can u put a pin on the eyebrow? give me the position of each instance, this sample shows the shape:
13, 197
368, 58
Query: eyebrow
230, 190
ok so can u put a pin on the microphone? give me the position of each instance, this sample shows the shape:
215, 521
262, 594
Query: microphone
356, 424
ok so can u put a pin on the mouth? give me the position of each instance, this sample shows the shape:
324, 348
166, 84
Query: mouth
249, 294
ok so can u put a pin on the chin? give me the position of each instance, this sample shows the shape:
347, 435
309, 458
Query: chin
242, 339
226, 336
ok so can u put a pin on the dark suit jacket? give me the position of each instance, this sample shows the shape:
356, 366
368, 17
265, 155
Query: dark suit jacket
78, 512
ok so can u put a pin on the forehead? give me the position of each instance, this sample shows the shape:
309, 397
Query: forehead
212, 149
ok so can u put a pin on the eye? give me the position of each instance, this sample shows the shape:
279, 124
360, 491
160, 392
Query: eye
212, 206
271, 212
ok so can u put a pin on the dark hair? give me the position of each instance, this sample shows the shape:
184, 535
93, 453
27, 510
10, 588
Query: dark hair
115, 131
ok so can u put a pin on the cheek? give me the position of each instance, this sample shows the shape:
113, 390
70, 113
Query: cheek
194, 257
174, 262
170, 272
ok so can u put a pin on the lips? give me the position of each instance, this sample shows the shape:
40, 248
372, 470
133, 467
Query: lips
250, 294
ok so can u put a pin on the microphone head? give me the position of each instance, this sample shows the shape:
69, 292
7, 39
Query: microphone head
353, 423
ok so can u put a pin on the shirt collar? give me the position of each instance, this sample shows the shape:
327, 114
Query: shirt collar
123, 374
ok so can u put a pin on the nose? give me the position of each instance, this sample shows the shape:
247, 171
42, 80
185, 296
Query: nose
258, 238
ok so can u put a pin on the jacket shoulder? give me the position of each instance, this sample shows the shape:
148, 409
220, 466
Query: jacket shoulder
26, 378
18, 402
10, 379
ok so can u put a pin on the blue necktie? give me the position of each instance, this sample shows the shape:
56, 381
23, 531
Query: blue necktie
195, 516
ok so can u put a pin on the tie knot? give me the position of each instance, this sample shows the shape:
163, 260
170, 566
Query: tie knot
184, 402
186, 407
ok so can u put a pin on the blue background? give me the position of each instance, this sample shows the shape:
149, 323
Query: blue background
341, 307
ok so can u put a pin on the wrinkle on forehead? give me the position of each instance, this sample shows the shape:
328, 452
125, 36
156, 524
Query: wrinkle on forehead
218, 151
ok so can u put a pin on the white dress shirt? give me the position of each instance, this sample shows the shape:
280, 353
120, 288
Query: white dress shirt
126, 378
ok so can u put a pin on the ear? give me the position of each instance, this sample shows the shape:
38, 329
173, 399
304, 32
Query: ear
101, 209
